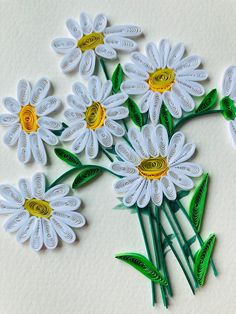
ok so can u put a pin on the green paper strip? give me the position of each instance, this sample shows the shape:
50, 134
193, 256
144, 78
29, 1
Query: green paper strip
208, 102
67, 157
166, 119
197, 205
203, 258
228, 108
117, 78
143, 265
85, 176
134, 112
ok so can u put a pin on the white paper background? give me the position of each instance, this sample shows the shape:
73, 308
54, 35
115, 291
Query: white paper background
85, 278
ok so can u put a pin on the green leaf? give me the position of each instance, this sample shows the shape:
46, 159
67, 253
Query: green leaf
197, 205
203, 258
86, 176
166, 119
229, 110
67, 157
134, 112
182, 194
143, 265
208, 102
187, 244
117, 78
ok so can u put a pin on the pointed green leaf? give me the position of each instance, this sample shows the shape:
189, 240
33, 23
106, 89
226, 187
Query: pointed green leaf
166, 119
67, 157
182, 194
143, 265
208, 102
187, 244
134, 112
203, 258
197, 205
86, 176
117, 78
229, 110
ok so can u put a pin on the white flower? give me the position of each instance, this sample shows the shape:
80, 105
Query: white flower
229, 89
164, 76
39, 215
28, 120
93, 38
153, 167
93, 116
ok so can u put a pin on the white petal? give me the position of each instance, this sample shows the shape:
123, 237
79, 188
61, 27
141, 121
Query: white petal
164, 50
134, 72
8, 207
24, 233
16, 221
72, 131
99, 23
8, 119
145, 195
132, 87
66, 203
146, 101
114, 128
172, 106
36, 238
175, 146
136, 139
142, 62
86, 23
25, 188
49, 123
123, 30
132, 196
76, 103
11, 194
106, 90
38, 185
115, 100
47, 105
195, 75
127, 153
87, 63
232, 129
70, 218
39, 91
71, 60
73, 115
92, 145
63, 45
228, 80
50, 238
123, 185
120, 43
168, 188
155, 102
162, 140
47, 136
117, 113
94, 88
153, 54
193, 88
156, 192
74, 28
104, 137
64, 231
80, 142
23, 92
105, 51
180, 179
175, 55
82, 93
124, 168
148, 136
11, 105
189, 168
12, 135
57, 191
186, 153
187, 64
23, 149
182, 98
38, 149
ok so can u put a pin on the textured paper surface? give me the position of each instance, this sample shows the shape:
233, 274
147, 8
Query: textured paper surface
85, 277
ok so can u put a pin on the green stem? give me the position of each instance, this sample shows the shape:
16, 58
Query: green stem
193, 116
148, 251
103, 65
196, 233
106, 153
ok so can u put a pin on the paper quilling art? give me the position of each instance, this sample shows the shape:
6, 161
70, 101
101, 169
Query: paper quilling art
133, 117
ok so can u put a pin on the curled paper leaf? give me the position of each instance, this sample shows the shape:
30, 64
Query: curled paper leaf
208, 102
85, 176
67, 157
197, 205
143, 265
166, 119
134, 112
203, 258
117, 78
228, 108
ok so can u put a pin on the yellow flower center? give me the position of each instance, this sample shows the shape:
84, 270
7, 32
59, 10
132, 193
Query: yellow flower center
161, 80
38, 208
95, 116
28, 119
153, 168
90, 41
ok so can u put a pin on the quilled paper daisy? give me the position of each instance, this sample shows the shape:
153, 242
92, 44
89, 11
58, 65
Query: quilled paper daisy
91, 38
29, 122
93, 116
38, 215
164, 76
